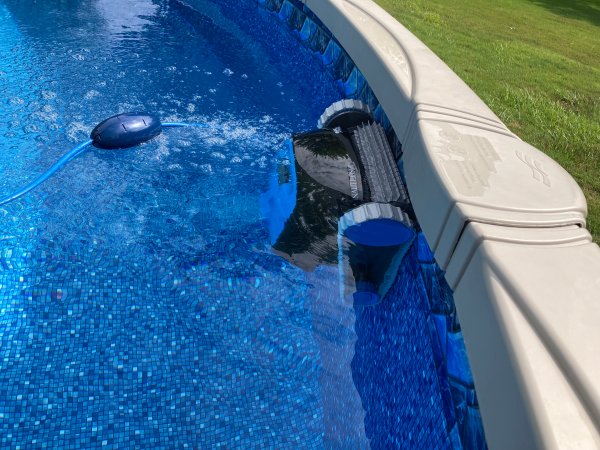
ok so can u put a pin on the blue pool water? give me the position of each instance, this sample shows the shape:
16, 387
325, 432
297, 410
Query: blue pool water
141, 305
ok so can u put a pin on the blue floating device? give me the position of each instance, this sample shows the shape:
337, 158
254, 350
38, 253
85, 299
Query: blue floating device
125, 130
120, 131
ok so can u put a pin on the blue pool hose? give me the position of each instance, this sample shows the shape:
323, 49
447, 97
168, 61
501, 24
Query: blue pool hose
116, 122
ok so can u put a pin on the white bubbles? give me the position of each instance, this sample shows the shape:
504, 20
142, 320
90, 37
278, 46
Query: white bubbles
48, 95
91, 94
228, 72
228, 143
238, 132
31, 128
174, 167
163, 149
46, 113
262, 162
76, 131
215, 141
16, 101
206, 168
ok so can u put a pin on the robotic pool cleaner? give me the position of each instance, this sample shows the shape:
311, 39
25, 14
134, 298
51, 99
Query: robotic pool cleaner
117, 132
338, 198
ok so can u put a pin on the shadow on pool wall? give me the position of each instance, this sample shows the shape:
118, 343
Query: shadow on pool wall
410, 366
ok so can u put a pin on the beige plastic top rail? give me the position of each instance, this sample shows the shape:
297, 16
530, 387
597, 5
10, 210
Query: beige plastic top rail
476, 169
529, 310
464, 167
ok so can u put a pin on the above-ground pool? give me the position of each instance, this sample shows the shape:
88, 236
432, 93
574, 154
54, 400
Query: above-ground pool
141, 304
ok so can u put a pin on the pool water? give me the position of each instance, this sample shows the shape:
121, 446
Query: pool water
141, 305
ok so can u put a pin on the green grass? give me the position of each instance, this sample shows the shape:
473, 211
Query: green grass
536, 63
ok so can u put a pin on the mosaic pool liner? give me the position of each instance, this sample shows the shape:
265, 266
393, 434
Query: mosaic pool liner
452, 366
159, 346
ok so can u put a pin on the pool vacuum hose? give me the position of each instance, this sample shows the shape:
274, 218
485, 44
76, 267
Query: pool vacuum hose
117, 132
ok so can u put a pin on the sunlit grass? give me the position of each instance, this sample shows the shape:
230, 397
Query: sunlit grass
536, 63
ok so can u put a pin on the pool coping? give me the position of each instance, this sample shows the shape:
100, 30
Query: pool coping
506, 222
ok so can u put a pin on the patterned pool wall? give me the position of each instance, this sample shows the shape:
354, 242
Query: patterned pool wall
461, 409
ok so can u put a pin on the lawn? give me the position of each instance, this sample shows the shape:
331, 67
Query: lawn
536, 63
